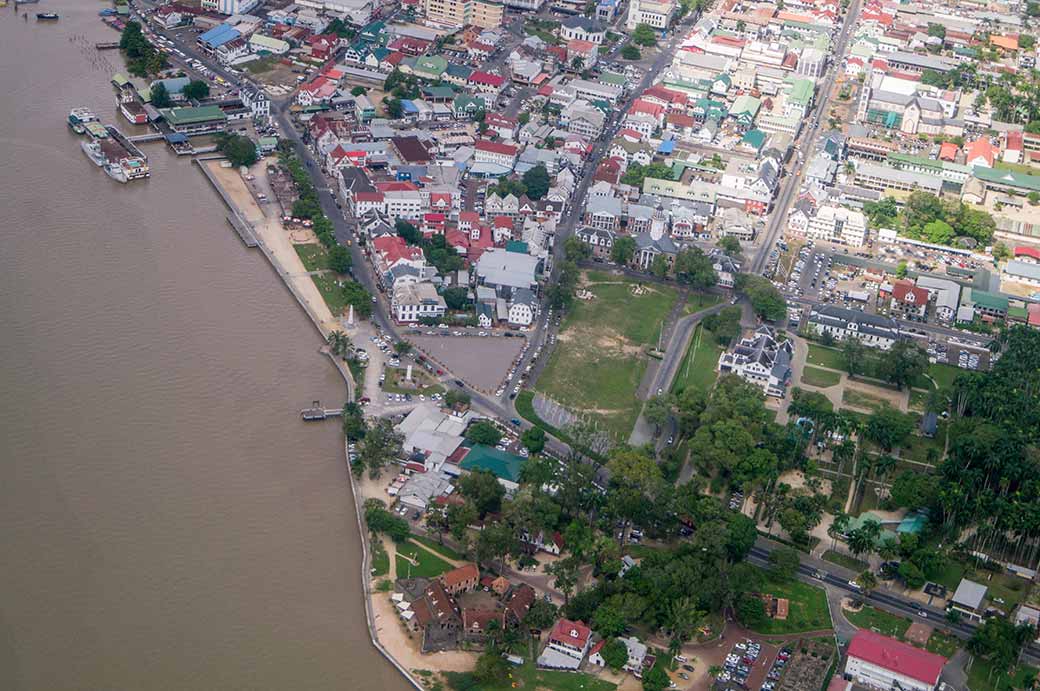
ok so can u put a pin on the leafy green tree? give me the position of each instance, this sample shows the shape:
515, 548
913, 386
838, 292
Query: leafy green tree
655, 679
196, 90
565, 576
644, 35
623, 249
631, 52
491, 667
541, 615
693, 267
354, 426
615, 654
456, 398
783, 563
240, 150
724, 324
358, 91
394, 108
408, 231
484, 490
766, 300
903, 364
659, 266
379, 448
536, 180
657, 410
160, 96
938, 232
575, 250
379, 520
751, 611
1002, 251
340, 260
888, 427
533, 439
730, 245
460, 517
456, 298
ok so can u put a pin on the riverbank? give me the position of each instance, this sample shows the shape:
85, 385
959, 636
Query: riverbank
277, 245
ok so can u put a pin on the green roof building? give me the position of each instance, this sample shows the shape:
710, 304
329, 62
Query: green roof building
201, 120
430, 67
1008, 180
745, 108
612, 78
801, 93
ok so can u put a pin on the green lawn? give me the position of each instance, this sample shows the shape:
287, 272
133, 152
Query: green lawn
427, 565
331, 292
861, 399
598, 360
261, 65
943, 644
918, 447
826, 357
395, 375
815, 376
439, 548
698, 301
698, 365
380, 559
314, 257
918, 400
1010, 588
808, 607
980, 679
530, 677
943, 375
875, 620
845, 560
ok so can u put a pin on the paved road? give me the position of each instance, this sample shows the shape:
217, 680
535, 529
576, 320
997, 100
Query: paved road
810, 142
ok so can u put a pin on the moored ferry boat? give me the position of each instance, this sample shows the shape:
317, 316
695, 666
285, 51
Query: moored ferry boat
79, 117
110, 150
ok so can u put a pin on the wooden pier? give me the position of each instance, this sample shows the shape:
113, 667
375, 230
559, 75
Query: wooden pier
316, 412
140, 138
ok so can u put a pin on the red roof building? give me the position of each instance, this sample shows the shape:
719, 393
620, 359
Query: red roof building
1027, 253
486, 79
948, 152
573, 635
880, 661
979, 153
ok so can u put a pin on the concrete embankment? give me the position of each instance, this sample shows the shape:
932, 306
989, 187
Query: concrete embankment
323, 328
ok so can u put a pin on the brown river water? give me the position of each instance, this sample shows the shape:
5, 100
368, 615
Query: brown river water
166, 520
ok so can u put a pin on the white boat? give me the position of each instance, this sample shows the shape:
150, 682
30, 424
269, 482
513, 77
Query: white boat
79, 117
92, 148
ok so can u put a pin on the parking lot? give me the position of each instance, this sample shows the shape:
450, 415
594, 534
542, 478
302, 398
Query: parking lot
482, 362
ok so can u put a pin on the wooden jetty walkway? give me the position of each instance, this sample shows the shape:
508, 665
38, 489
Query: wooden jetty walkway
316, 412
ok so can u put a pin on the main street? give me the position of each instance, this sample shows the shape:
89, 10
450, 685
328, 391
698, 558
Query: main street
810, 137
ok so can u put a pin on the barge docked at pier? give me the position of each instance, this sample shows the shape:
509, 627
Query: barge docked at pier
111, 151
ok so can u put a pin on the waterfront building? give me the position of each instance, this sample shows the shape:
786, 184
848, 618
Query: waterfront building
192, 121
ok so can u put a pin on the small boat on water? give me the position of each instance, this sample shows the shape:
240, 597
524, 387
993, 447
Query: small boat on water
47, 16
79, 117
25, 2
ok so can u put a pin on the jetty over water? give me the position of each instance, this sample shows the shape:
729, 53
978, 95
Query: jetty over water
316, 412
152, 137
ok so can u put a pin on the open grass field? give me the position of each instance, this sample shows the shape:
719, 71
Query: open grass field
943, 375
845, 560
943, 644
313, 256
380, 559
981, 677
808, 607
530, 677
331, 293
699, 301
414, 561
823, 356
918, 400
875, 620
698, 366
816, 376
438, 547
861, 399
598, 360
919, 448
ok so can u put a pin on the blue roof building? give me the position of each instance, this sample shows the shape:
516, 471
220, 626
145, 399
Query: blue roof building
218, 36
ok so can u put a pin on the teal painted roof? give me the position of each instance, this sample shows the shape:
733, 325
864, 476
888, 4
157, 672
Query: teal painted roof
502, 465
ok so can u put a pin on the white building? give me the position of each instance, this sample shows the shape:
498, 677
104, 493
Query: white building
657, 14
229, 7
523, 307
872, 330
880, 662
762, 361
838, 224
567, 646
414, 301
